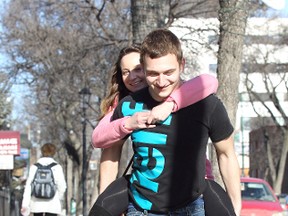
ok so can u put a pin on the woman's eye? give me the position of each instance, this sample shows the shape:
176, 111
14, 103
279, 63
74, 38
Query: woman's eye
125, 73
138, 70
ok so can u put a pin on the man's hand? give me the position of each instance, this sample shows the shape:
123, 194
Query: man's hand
160, 112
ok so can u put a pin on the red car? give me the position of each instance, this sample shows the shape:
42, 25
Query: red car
259, 199
283, 198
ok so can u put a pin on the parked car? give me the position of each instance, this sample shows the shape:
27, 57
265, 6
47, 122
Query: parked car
259, 199
283, 198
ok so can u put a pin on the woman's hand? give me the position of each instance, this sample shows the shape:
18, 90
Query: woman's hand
148, 119
138, 121
160, 112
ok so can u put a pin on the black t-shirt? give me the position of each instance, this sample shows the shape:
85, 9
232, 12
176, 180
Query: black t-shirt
169, 160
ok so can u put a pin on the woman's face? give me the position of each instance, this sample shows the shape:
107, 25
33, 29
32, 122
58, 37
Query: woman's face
132, 73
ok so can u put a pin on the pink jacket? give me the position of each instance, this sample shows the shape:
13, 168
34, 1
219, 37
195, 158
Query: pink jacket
108, 132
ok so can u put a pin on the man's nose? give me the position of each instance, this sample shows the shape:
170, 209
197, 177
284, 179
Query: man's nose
161, 80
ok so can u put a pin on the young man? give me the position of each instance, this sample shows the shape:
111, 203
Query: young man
168, 176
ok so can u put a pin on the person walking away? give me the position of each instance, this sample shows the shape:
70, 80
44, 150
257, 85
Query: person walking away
45, 202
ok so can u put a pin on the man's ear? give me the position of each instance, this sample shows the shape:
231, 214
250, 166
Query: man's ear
182, 65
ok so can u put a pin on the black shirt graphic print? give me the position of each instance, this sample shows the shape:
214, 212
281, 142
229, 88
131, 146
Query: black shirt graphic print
169, 160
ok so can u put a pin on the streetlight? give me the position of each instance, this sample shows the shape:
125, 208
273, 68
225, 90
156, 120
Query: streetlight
85, 95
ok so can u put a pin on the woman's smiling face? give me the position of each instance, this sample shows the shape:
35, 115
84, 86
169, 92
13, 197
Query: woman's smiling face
132, 73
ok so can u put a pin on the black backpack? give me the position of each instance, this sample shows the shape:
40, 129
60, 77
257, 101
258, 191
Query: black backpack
43, 185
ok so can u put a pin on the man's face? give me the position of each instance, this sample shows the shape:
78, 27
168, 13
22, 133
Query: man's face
162, 75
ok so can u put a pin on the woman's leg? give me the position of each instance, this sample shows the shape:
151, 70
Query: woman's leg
114, 200
216, 200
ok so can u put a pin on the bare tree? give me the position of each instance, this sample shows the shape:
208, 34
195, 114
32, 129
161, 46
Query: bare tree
147, 16
58, 47
5, 102
269, 98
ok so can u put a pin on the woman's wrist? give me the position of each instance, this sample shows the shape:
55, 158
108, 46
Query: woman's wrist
171, 100
125, 125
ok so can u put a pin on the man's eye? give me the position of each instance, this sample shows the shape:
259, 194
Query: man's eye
169, 73
151, 74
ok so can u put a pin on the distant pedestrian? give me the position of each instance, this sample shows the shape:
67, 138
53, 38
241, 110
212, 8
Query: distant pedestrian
44, 206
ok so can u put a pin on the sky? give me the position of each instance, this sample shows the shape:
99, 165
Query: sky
279, 3
276, 4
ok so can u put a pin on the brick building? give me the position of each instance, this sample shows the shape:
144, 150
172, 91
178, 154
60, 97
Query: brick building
266, 144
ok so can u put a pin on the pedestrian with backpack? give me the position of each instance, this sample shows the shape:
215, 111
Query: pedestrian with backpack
45, 185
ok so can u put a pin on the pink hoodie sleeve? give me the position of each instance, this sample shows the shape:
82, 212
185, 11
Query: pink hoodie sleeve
193, 90
188, 93
100, 136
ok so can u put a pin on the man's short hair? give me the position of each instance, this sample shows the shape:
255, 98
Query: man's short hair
161, 42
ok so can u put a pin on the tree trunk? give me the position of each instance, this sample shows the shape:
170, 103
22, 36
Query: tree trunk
233, 18
147, 15
277, 185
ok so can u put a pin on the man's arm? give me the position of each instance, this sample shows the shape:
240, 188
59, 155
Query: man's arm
109, 162
230, 171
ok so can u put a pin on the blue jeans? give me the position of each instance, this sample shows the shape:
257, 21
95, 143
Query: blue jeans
195, 208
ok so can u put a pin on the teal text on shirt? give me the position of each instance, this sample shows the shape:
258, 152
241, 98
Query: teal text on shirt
145, 174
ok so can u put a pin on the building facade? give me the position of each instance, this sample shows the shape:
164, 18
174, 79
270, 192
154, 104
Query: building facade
264, 71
